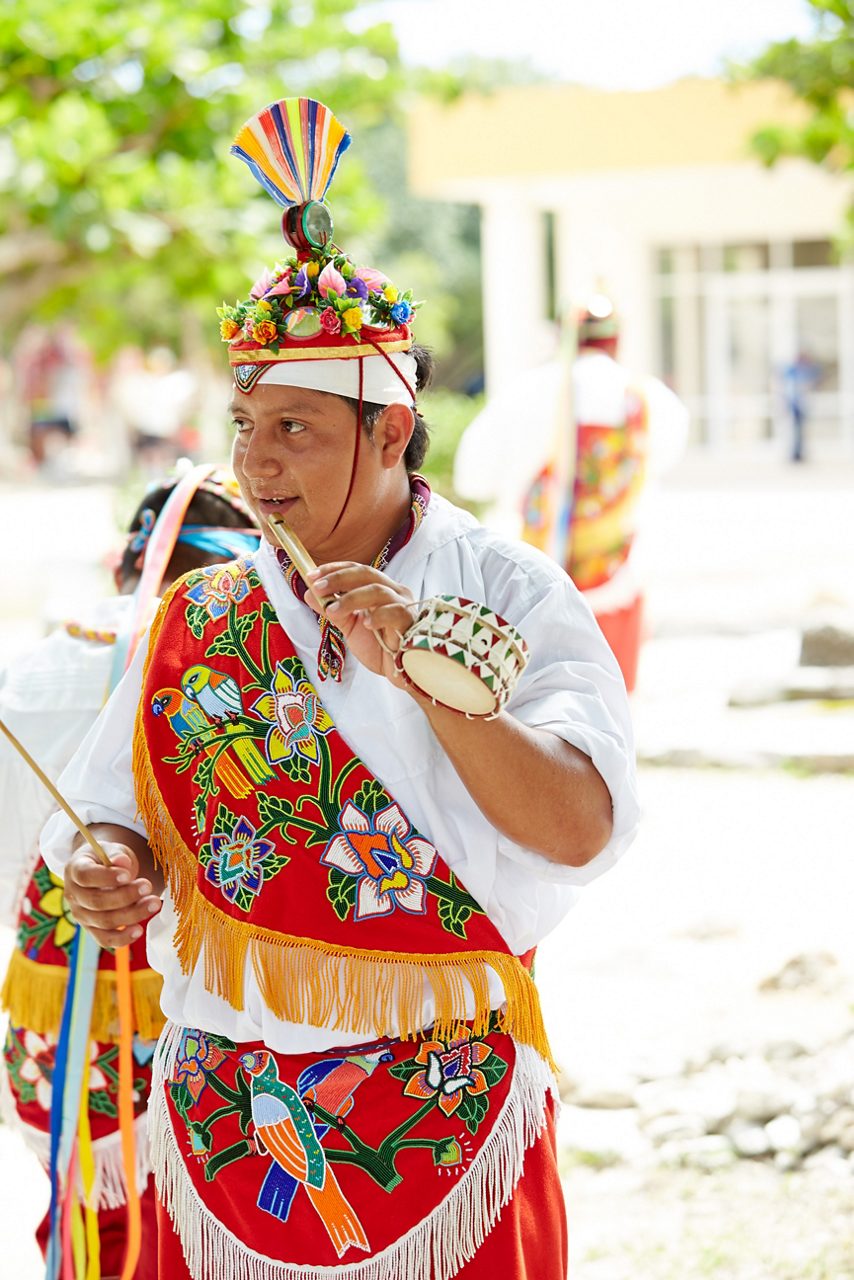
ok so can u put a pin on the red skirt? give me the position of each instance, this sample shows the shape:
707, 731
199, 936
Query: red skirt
428, 1160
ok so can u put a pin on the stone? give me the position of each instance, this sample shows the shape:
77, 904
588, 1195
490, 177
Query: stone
669, 1128
846, 1138
607, 1136
828, 1160
817, 969
607, 1095
708, 1153
749, 1140
836, 1124
827, 645
784, 1134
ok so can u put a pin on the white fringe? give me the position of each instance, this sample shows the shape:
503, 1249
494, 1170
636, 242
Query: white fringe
109, 1190
434, 1249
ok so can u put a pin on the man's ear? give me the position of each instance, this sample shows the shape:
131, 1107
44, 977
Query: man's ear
392, 433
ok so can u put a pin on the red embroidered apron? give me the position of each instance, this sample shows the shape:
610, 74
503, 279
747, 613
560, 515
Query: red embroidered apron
281, 850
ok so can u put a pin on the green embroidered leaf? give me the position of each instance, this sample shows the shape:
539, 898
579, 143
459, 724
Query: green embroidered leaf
461, 891
221, 1042
223, 647
245, 623
181, 1098
472, 1110
101, 1102
224, 821
183, 760
268, 613
371, 797
236, 1151
453, 917
205, 776
494, 1069
274, 811
405, 1070
197, 617
42, 878
297, 768
274, 863
341, 893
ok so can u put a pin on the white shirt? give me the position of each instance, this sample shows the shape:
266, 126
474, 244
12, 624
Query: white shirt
572, 688
49, 697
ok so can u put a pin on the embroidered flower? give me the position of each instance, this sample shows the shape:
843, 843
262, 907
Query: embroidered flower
450, 1072
53, 904
296, 717
228, 329
265, 332
219, 589
330, 321
352, 318
38, 1066
237, 861
388, 859
401, 312
197, 1057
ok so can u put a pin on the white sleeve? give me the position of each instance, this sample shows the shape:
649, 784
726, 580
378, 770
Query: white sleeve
98, 781
572, 688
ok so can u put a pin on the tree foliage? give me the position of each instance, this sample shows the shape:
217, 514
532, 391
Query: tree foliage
820, 72
119, 202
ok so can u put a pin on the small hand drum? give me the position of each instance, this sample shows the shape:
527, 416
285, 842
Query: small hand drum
461, 655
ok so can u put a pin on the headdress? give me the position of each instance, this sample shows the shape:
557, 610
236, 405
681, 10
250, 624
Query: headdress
215, 540
598, 321
317, 319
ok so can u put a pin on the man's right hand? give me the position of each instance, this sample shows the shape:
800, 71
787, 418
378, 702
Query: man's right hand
112, 903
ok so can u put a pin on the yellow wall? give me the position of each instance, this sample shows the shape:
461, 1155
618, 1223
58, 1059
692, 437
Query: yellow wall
561, 129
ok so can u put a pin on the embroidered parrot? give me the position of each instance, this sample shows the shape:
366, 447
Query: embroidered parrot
188, 720
330, 1084
283, 1127
218, 695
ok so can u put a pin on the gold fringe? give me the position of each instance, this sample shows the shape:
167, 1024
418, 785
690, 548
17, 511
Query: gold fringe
303, 980
33, 994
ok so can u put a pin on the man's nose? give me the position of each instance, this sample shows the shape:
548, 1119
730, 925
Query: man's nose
262, 457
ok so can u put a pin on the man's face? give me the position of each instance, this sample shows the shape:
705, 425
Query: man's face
293, 454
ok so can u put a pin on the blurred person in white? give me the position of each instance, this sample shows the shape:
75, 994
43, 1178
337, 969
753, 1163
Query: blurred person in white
619, 433
355, 1079
50, 697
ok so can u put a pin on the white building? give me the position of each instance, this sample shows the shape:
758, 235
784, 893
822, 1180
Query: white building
723, 271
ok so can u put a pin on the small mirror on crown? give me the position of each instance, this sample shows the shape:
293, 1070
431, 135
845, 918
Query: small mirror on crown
308, 226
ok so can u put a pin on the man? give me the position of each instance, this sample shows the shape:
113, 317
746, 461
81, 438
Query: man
354, 1073
580, 497
50, 698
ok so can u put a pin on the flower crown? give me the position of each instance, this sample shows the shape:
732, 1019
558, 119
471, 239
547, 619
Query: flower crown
316, 304
315, 294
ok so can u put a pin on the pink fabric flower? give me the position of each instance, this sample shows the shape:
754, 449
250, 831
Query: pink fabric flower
280, 287
331, 280
374, 279
261, 285
330, 321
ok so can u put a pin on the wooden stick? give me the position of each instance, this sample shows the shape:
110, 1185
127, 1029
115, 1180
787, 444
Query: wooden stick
63, 804
300, 558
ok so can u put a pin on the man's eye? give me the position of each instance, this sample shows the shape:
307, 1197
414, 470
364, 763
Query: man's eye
293, 428
239, 424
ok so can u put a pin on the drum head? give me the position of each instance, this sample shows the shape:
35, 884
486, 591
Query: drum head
447, 681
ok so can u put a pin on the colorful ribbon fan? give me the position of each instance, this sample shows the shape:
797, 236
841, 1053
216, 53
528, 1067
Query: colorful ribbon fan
293, 148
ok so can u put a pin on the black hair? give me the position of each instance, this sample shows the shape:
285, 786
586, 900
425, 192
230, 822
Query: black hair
205, 508
419, 443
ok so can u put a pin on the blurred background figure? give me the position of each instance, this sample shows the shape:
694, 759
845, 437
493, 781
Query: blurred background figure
570, 473
154, 399
52, 370
50, 697
798, 379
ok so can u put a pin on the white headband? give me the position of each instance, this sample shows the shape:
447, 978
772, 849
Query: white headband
380, 384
